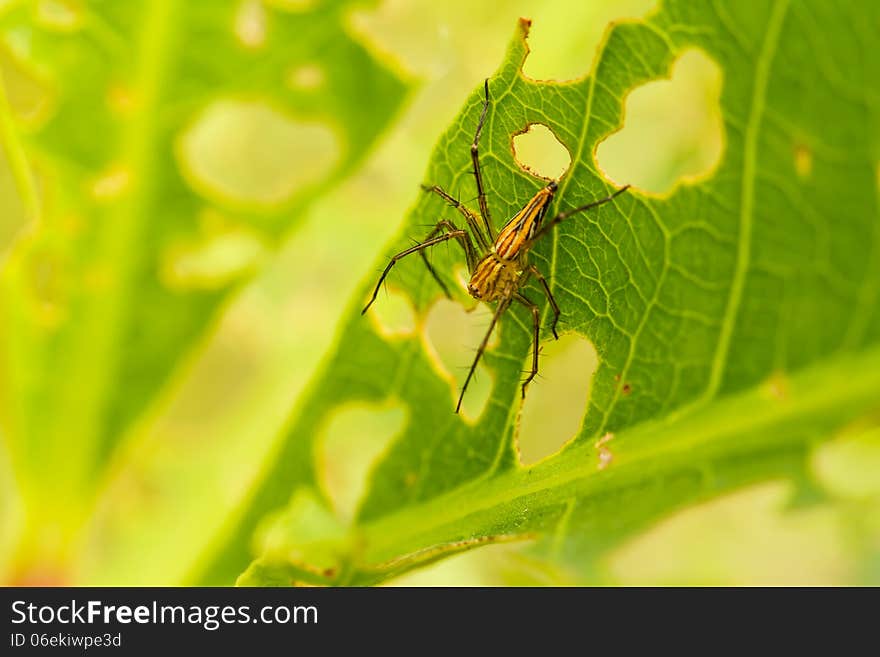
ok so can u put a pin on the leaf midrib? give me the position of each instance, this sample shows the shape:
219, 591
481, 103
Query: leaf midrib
96, 355
845, 384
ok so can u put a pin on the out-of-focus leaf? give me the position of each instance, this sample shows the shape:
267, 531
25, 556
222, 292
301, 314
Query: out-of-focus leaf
180, 141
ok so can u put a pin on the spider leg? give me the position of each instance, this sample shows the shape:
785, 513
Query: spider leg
565, 215
536, 319
475, 157
537, 273
466, 245
468, 215
456, 234
502, 306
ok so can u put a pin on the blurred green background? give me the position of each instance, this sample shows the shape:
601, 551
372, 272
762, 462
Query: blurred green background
190, 458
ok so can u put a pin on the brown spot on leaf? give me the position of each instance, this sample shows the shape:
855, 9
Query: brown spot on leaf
777, 385
803, 160
605, 455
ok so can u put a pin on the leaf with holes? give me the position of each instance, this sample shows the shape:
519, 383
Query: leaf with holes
168, 153
736, 320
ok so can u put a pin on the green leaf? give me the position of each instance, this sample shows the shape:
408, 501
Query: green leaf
736, 319
176, 144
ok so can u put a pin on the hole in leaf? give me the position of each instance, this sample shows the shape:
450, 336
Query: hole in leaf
305, 77
217, 258
452, 335
461, 275
540, 153
63, 15
849, 466
250, 24
803, 160
478, 393
559, 52
305, 533
556, 400
111, 184
393, 313
673, 128
246, 151
353, 439
29, 99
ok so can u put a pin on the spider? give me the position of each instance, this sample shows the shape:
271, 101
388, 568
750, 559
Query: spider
498, 264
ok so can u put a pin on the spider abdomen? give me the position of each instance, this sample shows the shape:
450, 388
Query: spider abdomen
516, 236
